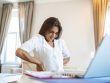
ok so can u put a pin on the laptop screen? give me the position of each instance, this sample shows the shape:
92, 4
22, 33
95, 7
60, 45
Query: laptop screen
100, 65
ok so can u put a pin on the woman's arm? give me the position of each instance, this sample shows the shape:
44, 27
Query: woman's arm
26, 56
66, 60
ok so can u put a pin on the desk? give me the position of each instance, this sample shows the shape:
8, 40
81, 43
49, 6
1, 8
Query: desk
28, 79
7, 77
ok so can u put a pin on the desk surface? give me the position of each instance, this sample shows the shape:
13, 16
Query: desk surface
28, 79
7, 77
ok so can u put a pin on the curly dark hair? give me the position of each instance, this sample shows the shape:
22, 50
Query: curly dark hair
50, 23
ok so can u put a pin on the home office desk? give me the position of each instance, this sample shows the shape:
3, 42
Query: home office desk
28, 79
9, 78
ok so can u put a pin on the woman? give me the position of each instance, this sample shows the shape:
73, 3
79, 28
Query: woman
51, 51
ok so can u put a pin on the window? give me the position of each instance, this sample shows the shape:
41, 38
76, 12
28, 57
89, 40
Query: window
107, 21
12, 41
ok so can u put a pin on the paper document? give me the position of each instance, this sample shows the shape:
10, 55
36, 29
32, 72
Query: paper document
45, 74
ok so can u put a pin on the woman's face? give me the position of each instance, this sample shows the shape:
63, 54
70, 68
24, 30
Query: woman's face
51, 34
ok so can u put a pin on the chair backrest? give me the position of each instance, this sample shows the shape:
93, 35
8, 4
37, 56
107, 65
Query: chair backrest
28, 66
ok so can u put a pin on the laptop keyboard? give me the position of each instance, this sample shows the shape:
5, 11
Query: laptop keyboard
71, 74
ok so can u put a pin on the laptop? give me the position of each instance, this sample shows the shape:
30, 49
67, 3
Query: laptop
100, 64
98, 67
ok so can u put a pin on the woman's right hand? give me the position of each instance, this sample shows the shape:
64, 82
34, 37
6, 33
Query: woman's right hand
40, 67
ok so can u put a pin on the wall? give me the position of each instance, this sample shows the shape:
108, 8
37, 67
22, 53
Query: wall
77, 22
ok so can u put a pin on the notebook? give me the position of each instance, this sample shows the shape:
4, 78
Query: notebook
99, 66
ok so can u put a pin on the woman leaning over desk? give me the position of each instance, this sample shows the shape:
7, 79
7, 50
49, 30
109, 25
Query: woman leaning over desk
51, 51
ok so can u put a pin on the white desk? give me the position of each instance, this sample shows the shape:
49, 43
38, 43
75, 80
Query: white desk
7, 77
17, 78
28, 79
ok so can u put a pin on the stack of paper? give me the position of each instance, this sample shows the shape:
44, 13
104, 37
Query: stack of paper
45, 74
38, 74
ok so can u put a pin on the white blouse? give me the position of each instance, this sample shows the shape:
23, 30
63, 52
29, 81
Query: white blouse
52, 57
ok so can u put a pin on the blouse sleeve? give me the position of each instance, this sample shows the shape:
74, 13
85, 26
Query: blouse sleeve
65, 50
29, 45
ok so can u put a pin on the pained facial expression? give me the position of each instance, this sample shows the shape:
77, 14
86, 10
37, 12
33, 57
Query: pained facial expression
51, 34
